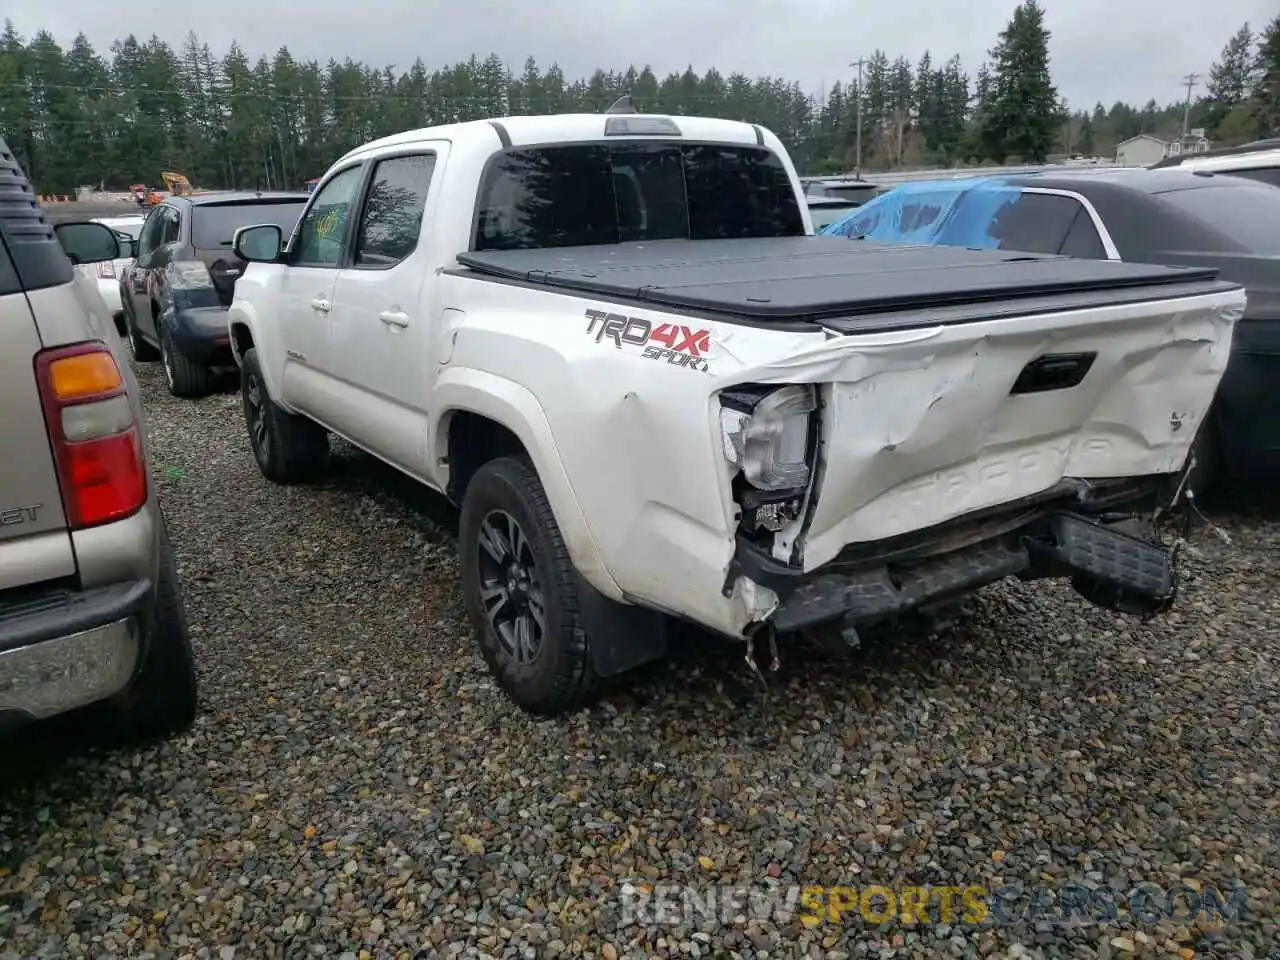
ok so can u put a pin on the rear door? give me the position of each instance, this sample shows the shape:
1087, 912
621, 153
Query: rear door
34, 543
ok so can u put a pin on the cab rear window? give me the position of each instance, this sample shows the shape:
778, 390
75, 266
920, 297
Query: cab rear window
593, 194
214, 225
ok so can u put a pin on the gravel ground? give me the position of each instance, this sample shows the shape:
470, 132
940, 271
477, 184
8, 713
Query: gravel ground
356, 786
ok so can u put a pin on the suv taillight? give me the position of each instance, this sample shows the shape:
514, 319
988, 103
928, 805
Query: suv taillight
94, 435
106, 270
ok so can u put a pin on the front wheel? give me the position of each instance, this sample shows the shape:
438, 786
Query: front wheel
521, 591
287, 448
142, 351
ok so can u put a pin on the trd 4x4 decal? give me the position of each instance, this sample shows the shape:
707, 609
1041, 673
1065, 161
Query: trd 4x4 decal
680, 346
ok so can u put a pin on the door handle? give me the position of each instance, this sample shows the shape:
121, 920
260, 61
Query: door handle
394, 318
320, 304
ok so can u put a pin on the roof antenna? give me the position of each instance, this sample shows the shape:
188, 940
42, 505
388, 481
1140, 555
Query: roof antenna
623, 104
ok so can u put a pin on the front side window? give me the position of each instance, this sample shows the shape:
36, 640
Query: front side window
149, 238
171, 224
392, 216
322, 234
594, 194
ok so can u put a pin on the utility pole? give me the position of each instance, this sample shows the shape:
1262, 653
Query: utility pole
1190, 80
858, 136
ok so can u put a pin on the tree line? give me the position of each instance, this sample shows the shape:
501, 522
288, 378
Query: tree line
77, 117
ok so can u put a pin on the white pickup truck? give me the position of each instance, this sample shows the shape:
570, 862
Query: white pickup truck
614, 342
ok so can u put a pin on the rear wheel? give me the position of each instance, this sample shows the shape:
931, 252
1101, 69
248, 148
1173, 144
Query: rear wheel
163, 697
185, 377
521, 591
288, 448
142, 351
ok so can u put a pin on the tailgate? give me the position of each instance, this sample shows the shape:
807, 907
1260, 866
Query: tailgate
925, 423
225, 269
34, 544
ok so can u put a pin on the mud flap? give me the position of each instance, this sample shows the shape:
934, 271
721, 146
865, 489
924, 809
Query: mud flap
622, 637
1111, 569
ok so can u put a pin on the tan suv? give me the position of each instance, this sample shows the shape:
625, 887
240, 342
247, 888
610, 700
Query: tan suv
90, 614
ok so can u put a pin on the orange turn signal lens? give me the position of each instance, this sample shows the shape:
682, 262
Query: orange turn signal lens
84, 375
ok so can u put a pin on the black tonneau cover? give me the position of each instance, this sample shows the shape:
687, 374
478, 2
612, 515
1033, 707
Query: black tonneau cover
821, 278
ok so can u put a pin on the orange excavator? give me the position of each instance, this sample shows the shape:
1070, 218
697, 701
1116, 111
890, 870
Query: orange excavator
175, 183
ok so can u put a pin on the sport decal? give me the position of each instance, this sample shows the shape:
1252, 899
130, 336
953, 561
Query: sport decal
680, 346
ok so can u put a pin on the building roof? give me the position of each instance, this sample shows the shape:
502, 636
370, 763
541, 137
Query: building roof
1142, 136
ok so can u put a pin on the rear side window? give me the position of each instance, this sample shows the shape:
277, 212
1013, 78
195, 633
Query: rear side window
1247, 213
392, 216
214, 225
1037, 223
593, 194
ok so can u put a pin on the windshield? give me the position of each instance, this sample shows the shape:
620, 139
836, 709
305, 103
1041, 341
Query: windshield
829, 213
213, 225
1246, 213
130, 230
593, 194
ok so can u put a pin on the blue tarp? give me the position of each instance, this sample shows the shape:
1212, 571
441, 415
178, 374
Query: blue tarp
940, 212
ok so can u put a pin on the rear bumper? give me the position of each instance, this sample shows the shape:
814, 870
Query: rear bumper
1055, 537
201, 334
71, 650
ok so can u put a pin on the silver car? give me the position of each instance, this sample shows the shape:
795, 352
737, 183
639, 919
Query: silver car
90, 611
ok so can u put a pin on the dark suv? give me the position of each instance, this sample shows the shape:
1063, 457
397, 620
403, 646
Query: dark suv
90, 611
176, 293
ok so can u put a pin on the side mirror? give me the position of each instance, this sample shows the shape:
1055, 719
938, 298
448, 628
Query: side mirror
128, 245
258, 244
87, 242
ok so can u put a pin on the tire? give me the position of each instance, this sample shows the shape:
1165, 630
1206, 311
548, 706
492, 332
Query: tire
288, 448
142, 351
163, 699
186, 378
552, 673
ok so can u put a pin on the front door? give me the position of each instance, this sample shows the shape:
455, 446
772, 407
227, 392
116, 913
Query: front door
312, 381
380, 322
138, 289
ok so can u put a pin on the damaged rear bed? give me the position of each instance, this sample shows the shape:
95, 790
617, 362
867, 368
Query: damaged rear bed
975, 414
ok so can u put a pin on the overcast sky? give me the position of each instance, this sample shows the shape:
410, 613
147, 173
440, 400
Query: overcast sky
1101, 50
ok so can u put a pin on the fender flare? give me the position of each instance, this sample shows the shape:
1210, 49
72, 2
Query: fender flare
266, 342
466, 389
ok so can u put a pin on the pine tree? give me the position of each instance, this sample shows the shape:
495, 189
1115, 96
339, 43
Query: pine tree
1230, 79
1024, 115
1265, 101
